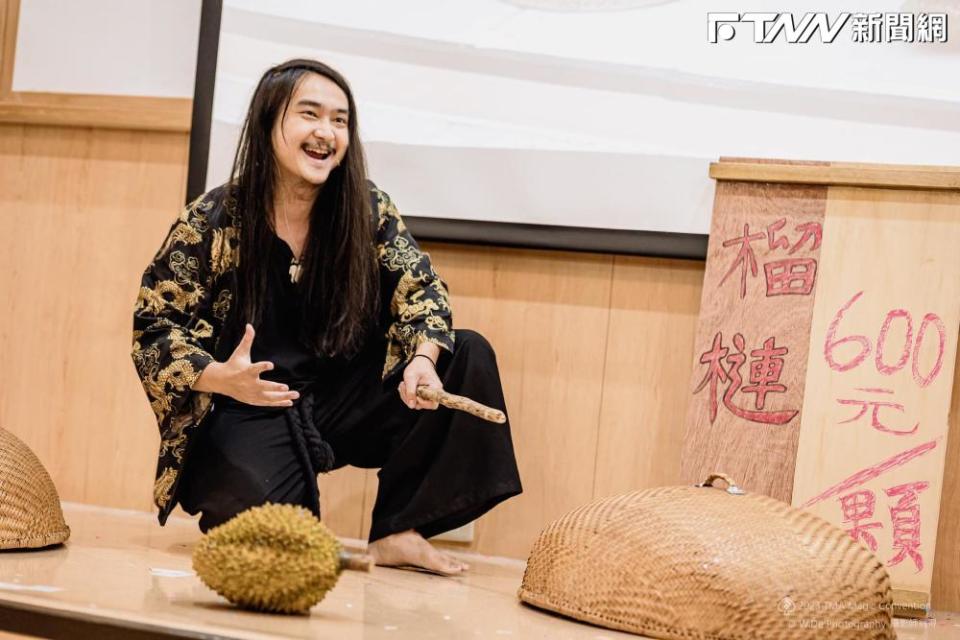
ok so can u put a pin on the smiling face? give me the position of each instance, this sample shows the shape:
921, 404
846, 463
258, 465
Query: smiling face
311, 138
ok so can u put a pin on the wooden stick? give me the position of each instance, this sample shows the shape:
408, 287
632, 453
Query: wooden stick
910, 604
355, 561
460, 402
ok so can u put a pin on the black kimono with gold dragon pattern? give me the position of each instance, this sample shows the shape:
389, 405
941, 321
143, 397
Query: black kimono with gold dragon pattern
185, 297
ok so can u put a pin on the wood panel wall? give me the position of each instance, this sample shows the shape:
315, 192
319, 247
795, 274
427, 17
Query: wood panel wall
594, 350
81, 211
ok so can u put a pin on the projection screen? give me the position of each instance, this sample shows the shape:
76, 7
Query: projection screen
571, 124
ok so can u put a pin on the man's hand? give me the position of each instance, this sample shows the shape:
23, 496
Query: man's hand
420, 371
239, 378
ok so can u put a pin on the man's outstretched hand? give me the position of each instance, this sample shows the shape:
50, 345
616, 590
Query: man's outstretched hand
239, 378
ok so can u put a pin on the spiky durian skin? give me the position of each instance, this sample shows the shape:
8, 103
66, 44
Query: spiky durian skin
277, 558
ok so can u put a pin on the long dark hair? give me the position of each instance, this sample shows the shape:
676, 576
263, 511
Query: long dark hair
339, 285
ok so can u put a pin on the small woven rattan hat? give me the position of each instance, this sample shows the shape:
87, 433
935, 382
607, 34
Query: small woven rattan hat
30, 513
700, 562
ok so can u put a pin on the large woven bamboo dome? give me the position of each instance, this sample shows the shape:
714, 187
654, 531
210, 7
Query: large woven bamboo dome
30, 513
702, 562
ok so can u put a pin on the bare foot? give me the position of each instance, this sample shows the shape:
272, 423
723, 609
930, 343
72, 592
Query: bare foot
410, 549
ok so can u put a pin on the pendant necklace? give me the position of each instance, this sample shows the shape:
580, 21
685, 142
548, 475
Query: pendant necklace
295, 270
296, 266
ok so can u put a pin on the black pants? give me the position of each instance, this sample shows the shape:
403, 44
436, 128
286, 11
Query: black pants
438, 469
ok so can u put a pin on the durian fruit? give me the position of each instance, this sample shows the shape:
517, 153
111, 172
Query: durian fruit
276, 557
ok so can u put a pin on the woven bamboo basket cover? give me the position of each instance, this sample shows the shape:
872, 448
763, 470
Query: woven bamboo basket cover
708, 563
30, 513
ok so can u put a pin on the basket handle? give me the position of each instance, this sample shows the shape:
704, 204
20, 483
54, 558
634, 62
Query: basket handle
732, 487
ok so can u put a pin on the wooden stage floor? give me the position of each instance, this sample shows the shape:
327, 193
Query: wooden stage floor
123, 576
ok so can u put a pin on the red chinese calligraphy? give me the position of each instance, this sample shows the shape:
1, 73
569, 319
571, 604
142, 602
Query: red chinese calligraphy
905, 516
919, 378
911, 347
790, 276
746, 258
882, 366
810, 230
713, 358
904, 513
858, 506
765, 373
877, 405
866, 475
773, 242
832, 342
